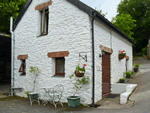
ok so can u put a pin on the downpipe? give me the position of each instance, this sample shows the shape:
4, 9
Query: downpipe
93, 60
12, 51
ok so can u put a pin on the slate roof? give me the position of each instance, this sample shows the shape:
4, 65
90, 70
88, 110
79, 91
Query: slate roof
82, 7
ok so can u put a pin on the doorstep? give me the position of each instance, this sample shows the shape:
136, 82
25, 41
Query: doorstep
114, 103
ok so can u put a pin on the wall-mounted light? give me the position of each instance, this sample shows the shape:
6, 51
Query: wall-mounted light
102, 53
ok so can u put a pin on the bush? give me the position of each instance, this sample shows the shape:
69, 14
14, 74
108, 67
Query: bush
128, 74
136, 65
139, 54
144, 50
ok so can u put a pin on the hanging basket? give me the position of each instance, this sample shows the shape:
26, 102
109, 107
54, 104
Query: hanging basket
78, 74
121, 56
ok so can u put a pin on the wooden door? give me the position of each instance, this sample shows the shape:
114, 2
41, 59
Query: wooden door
106, 74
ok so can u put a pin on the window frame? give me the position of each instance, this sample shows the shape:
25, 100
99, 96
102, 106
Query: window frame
44, 21
23, 66
61, 74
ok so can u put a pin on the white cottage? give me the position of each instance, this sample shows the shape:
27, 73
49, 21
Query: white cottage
69, 31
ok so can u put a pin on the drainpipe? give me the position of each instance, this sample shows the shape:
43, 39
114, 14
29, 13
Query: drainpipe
93, 60
12, 61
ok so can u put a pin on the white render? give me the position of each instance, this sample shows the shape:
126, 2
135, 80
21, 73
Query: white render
69, 30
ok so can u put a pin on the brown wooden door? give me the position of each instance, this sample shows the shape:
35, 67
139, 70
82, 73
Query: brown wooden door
106, 74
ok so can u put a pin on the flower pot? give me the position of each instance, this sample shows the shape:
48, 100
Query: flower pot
121, 56
78, 74
33, 96
73, 101
122, 81
136, 69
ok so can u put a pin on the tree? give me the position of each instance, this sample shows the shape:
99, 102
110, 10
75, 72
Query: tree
139, 11
100, 11
9, 8
125, 23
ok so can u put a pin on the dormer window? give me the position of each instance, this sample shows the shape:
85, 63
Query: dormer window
44, 21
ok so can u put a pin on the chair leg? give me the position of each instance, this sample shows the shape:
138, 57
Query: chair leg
38, 101
61, 104
55, 105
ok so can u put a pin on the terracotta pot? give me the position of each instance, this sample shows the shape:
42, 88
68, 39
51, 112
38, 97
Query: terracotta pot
121, 56
78, 74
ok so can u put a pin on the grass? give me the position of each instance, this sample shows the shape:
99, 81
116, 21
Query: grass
9, 98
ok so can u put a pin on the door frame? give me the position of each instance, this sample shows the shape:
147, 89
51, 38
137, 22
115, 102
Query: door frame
110, 51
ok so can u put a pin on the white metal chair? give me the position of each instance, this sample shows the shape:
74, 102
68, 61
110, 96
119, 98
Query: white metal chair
56, 94
34, 97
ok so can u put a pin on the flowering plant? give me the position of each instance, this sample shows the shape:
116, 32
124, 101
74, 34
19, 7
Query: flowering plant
122, 52
80, 70
34, 73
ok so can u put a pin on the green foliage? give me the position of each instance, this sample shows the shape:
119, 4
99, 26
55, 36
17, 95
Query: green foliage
35, 72
81, 105
122, 53
9, 8
27, 92
144, 50
80, 82
139, 11
136, 65
80, 69
125, 23
128, 73
139, 54
100, 11
122, 79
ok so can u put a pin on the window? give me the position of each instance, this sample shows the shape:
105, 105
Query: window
60, 66
44, 22
23, 67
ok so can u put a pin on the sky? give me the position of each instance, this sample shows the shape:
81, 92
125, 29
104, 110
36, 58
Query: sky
107, 6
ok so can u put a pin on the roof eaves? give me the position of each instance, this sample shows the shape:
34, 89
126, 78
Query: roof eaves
18, 19
81, 6
100, 17
90, 10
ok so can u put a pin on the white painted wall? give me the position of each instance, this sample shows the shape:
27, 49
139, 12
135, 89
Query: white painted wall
69, 30
107, 37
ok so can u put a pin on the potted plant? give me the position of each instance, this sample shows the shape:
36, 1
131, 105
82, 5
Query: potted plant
79, 72
122, 80
121, 55
34, 73
28, 93
128, 74
136, 67
74, 101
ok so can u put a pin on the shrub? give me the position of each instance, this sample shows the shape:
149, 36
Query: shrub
122, 79
128, 74
144, 50
136, 65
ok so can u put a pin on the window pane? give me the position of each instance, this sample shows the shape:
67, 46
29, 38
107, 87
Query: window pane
22, 68
60, 65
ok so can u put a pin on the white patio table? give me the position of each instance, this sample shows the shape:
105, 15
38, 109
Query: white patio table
53, 94
46, 98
